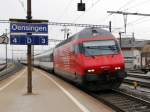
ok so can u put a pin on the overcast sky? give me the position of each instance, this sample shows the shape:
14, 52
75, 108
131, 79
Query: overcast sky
66, 11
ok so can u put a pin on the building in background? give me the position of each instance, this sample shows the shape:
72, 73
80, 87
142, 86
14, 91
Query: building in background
145, 58
132, 50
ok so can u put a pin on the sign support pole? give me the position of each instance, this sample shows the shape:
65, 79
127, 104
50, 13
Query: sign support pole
29, 39
29, 54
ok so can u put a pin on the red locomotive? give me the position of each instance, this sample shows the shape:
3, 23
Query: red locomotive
91, 58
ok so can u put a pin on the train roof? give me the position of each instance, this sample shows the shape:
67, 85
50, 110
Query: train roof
92, 32
88, 33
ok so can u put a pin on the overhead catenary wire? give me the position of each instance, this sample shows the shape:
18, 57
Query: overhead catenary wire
66, 9
128, 8
127, 3
93, 4
137, 5
143, 21
135, 21
22, 5
138, 20
125, 16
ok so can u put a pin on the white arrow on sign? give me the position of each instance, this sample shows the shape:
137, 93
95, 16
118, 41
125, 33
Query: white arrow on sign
3, 39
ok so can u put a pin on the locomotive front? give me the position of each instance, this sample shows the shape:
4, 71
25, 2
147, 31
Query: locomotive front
102, 63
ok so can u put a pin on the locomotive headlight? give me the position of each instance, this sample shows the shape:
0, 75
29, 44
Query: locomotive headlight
117, 68
91, 70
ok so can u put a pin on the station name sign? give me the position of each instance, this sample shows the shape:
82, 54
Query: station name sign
17, 27
28, 32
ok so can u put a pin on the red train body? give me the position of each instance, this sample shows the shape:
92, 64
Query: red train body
91, 58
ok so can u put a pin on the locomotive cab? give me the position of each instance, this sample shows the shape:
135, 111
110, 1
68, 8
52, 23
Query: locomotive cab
102, 63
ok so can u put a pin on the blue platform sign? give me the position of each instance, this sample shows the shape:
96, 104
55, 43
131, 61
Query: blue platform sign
22, 27
29, 39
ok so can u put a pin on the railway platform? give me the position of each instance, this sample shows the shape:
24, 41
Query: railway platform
50, 94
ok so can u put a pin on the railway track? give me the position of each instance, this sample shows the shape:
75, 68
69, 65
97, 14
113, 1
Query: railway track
136, 71
141, 79
117, 100
2, 67
10, 71
136, 75
122, 102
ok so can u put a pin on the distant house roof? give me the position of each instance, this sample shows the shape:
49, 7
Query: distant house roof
133, 43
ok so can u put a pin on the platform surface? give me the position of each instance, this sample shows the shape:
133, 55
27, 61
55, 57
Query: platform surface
50, 94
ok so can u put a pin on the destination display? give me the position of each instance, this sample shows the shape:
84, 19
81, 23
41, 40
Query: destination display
22, 27
29, 39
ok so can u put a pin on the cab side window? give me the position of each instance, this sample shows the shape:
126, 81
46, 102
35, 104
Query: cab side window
76, 49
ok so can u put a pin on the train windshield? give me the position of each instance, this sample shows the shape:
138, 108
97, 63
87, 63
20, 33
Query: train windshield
102, 47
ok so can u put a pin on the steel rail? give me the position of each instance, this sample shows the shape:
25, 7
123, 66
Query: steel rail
141, 84
141, 76
122, 102
141, 79
10, 71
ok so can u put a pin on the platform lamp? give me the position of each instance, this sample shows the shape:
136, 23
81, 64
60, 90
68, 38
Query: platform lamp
81, 6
